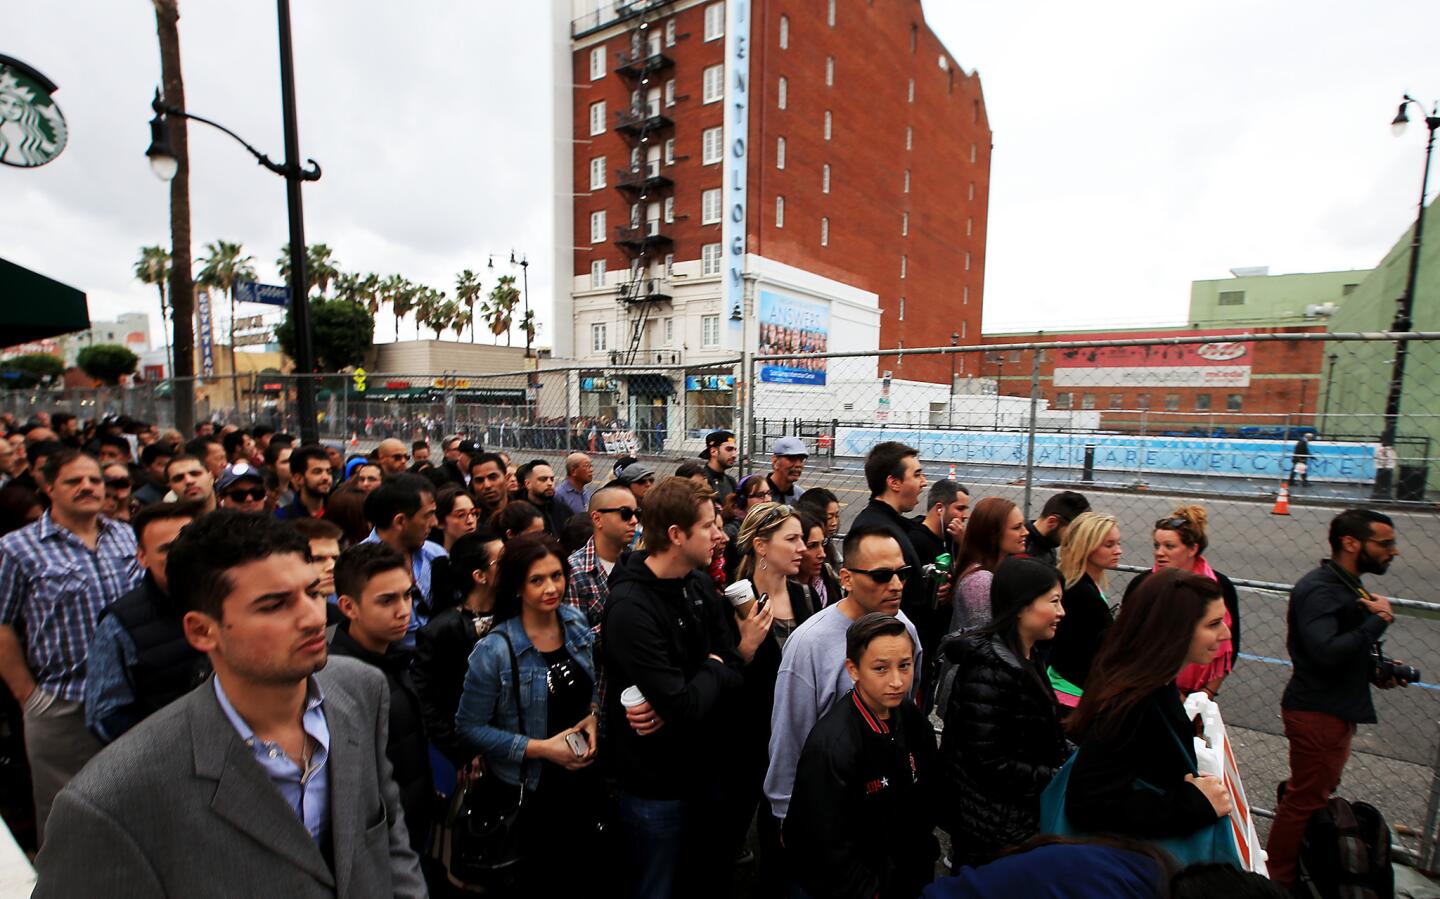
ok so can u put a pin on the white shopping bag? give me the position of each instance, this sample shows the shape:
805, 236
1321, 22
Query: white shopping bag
1214, 755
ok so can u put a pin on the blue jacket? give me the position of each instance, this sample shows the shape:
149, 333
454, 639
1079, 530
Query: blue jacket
487, 719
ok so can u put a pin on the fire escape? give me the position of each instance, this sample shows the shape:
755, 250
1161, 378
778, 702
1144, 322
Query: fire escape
644, 126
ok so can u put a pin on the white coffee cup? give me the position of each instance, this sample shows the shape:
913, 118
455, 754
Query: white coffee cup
742, 597
631, 697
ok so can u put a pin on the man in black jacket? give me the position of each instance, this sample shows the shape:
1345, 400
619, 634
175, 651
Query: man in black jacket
664, 636
1333, 624
1044, 535
861, 821
537, 481
375, 589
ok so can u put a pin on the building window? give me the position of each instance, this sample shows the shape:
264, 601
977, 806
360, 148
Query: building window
784, 32
669, 210
904, 224
904, 267
902, 309
906, 188
710, 206
669, 266
909, 138
710, 331
670, 33
969, 226
1064, 400
824, 231
1202, 402
669, 331
782, 100
597, 118
967, 260
779, 152
1172, 402
829, 71
712, 145
597, 63
1087, 401
1234, 402
1115, 401
1348, 289
670, 92
914, 36
972, 153
965, 296
972, 190
714, 84
827, 124
1232, 298
597, 227
830, 14
670, 151
964, 333
714, 21
598, 341
597, 274
779, 212
1142, 401
910, 91
597, 173
710, 259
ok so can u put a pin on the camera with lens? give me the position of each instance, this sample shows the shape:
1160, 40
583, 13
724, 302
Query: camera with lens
1384, 669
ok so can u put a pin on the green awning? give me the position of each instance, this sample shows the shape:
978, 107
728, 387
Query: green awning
34, 307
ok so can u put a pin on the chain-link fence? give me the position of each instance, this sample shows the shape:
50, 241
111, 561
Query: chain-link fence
1139, 426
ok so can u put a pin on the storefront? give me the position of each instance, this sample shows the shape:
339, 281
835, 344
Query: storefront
649, 408
709, 404
599, 397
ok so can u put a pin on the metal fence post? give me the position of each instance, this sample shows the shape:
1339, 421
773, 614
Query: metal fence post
1030, 441
747, 414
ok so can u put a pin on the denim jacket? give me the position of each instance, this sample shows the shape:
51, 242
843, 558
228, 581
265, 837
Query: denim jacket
487, 719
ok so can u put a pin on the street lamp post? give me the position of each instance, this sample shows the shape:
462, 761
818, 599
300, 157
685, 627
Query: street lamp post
163, 162
1325, 409
1384, 470
950, 416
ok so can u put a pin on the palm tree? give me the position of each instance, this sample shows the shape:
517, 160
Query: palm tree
153, 267
529, 326
467, 291
221, 268
498, 311
399, 293
321, 269
464, 318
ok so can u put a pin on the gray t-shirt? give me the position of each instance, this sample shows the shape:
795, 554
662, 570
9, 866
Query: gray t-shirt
812, 677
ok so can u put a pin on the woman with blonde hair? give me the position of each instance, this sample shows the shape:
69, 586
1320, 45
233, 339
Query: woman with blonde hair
1180, 542
1090, 551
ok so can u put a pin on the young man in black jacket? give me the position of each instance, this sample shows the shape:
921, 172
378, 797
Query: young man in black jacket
1333, 622
664, 636
861, 821
375, 593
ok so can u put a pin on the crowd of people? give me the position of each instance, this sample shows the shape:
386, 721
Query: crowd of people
237, 659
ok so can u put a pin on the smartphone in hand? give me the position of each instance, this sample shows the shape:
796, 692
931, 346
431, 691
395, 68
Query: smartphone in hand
577, 743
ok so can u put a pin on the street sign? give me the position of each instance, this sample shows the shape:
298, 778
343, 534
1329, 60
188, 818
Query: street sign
32, 130
359, 378
269, 294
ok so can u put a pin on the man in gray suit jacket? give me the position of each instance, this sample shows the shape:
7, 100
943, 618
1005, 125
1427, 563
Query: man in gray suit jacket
270, 779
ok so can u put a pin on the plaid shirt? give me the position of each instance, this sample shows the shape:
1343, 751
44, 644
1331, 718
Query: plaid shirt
52, 588
589, 587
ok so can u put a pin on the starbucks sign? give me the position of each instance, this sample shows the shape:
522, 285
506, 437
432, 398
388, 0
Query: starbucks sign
32, 130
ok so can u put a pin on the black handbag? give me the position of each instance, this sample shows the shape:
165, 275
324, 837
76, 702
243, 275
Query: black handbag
484, 817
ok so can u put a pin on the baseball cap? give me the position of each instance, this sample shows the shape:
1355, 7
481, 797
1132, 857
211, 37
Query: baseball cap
716, 438
634, 473
237, 472
789, 446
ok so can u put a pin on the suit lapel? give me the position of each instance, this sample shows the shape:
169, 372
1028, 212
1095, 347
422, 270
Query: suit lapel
346, 757
244, 795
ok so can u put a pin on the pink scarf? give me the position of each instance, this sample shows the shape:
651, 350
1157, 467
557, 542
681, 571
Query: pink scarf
1193, 678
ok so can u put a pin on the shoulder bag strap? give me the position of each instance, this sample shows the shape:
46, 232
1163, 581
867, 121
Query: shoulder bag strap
515, 686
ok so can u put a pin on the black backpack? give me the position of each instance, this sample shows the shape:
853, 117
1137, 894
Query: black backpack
1345, 853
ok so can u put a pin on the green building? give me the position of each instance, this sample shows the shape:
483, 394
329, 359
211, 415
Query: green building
1256, 297
1356, 376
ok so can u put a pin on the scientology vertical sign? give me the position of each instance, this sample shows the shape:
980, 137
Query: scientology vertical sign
735, 178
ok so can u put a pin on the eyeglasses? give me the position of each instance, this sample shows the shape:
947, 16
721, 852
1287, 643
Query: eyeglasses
118, 483
625, 512
246, 496
1383, 544
403, 457
466, 513
883, 575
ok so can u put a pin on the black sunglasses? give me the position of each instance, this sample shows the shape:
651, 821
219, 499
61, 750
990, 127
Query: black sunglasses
625, 512
246, 496
883, 575
1172, 524
118, 483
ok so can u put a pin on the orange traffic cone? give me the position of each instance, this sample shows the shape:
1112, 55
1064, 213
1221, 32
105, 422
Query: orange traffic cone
952, 471
354, 440
1282, 502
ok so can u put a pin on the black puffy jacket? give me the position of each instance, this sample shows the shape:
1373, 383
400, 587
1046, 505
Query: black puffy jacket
1002, 745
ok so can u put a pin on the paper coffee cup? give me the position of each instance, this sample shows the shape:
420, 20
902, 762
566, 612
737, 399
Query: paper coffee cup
742, 597
632, 697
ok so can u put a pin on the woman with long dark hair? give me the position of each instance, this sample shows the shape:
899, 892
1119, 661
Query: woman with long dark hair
995, 532
1090, 551
815, 577
1134, 773
1180, 542
518, 517
1003, 741
551, 646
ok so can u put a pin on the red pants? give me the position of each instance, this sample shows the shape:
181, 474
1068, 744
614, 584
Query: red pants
1319, 748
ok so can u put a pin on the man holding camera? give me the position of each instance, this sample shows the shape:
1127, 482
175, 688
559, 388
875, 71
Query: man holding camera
1335, 625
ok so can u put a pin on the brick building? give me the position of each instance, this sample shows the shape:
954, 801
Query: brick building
800, 174
1228, 383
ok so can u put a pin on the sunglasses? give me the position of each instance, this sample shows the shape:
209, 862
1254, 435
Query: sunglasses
118, 483
246, 496
774, 516
1172, 524
625, 512
883, 575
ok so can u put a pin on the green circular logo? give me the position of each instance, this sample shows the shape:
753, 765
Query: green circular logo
32, 130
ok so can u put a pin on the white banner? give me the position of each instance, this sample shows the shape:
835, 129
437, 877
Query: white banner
1214, 756
1155, 376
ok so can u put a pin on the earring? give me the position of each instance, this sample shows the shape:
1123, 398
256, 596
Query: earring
762, 563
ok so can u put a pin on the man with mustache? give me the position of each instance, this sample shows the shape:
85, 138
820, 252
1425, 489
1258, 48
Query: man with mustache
55, 577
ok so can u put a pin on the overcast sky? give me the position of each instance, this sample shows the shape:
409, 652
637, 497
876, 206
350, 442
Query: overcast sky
1138, 146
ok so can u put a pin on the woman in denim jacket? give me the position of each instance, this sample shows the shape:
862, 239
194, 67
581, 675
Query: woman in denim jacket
553, 647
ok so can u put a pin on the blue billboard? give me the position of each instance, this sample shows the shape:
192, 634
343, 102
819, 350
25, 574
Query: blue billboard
792, 325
